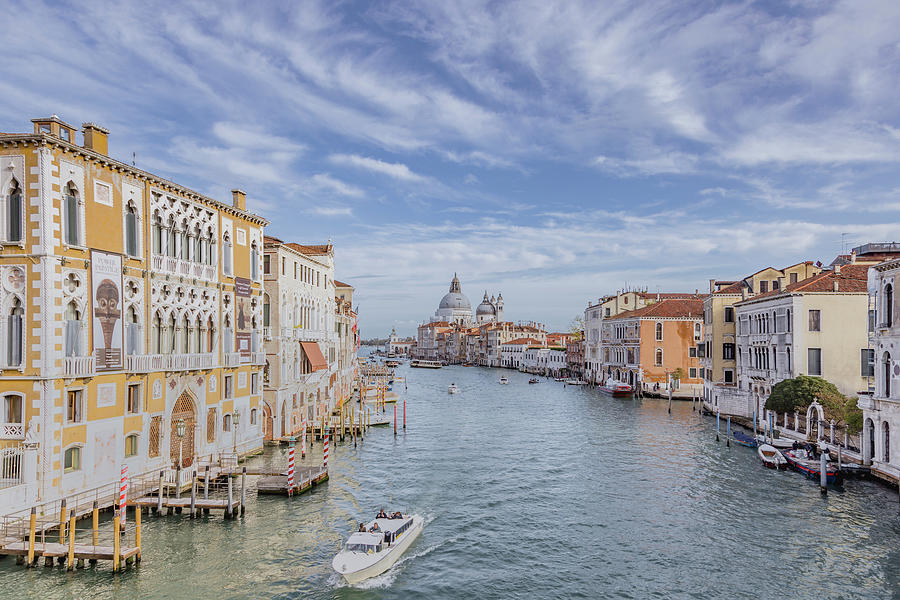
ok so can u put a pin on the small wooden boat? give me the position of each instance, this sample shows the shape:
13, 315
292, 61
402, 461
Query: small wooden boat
771, 457
575, 382
534, 380
560, 379
780, 443
452, 388
504, 380
743, 439
616, 388
802, 462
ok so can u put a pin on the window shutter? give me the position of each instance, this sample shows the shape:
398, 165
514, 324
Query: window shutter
71, 220
15, 217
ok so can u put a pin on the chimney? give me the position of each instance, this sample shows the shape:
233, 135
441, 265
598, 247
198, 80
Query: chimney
853, 256
781, 283
240, 199
712, 286
95, 138
837, 286
837, 269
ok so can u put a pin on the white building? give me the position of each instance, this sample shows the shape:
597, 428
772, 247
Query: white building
816, 326
881, 411
512, 353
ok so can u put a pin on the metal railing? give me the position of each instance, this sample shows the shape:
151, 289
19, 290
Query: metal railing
11, 461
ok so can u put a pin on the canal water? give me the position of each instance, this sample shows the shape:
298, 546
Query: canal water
529, 491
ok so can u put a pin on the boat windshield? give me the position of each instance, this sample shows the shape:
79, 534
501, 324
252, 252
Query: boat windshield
364, 548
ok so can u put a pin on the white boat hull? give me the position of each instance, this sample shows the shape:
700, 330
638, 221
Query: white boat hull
388, 559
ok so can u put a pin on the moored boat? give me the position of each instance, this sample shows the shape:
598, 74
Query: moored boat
743, 439
426, 364
771, 457
616, 388
504, 380
452, 388
534, 380
802, 462
373, 551
575, 382
781, 443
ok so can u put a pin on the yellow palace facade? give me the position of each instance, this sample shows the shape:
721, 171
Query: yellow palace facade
129, 304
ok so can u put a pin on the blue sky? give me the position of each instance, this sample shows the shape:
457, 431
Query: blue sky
551, 151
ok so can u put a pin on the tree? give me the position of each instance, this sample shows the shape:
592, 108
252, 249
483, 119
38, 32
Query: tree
798, 393
576, 327
678, 374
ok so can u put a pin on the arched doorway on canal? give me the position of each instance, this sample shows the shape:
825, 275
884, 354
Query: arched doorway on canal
184, 447
268, 422
868, 442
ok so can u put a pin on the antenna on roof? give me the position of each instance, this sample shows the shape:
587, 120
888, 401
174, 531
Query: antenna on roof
133, 157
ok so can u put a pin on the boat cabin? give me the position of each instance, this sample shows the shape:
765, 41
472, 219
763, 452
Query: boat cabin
367, 543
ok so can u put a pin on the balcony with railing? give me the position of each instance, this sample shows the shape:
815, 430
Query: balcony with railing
258, 358
79, 366
179, 266
12, 431
232, 359
149, 363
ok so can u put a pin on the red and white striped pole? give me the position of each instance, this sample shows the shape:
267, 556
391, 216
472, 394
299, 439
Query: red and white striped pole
325, 451
395, 418
123, 486
290, 477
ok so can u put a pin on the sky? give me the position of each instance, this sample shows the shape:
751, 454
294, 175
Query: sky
554, 152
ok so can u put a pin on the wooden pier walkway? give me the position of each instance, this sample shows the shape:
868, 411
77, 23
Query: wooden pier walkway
305, 478
57, 550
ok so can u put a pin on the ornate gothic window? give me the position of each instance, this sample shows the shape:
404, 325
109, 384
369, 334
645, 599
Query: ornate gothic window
131, 231
70, 210
14, 213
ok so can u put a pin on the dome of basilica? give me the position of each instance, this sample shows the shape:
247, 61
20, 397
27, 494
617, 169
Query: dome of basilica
486, 308
455, 298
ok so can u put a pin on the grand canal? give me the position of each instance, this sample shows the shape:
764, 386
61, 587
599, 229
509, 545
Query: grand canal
530, 491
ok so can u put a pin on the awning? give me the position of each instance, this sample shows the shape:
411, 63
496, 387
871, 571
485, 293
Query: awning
317, 361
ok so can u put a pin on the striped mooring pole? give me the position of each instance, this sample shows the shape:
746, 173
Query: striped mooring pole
325, 450
123, 486
290, 477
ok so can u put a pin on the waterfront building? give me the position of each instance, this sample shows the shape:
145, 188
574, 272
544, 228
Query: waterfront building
454, 307
815, 326
881, 409
718, 349
493, 335
610, 306
512, 353
132, 304
646, 346
395, 345
575, 356
308, 367
429, 339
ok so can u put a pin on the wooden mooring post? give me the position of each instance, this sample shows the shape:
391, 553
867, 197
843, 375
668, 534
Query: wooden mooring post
95, 527
243, 489
70, 559
32, 521
162, 483
62, 521
116, 543
193, 493
137, 532
229, 509
728, 434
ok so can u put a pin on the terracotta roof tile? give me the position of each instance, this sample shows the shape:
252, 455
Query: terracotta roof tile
313, 249
852, 279
340, 283
668, 307
523, 341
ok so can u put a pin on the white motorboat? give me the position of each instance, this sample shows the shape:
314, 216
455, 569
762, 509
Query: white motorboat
781, 443
771, 457
453, 388
575, 382
504, 380
370, 553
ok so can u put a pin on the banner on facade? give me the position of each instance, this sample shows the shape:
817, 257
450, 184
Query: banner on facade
106, 304
244, 326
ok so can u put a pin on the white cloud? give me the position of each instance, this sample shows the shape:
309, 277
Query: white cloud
395, 170
331, 211
324, 181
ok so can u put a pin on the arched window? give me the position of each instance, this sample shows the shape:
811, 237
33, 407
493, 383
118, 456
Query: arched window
185, 241
72, 460
131, 445
173, 236
659, 357
171, 339
253, 416
886, 441
131, 231
226, 423
226, 254
198, 342
14, 213
787, 358
229, 335
157, 233
70, 210
888, 307
73, 330
186, 335
14, 334
210, 335
886, 374
132, 331
254, 262
156, 337
659, 332
266, 317
198, 246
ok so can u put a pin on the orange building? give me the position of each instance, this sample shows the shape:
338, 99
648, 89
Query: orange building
648, 345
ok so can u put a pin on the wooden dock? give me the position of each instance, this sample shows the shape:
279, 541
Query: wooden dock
205, 504
81, 551
305, 478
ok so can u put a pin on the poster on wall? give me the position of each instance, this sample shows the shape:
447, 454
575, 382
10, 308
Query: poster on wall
106, 304
242, 333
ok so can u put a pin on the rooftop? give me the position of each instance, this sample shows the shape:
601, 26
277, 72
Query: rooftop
666, 308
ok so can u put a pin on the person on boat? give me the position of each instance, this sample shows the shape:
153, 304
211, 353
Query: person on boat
374, 528
381, 514
397, 515
362, 528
